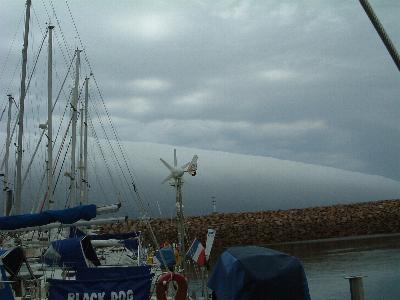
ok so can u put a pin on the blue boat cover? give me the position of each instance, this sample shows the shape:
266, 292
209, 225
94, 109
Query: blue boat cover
65, 216
117, 286
257, 273
72, 253
131, 245
75, 232
111, 272
168, 255
5, 288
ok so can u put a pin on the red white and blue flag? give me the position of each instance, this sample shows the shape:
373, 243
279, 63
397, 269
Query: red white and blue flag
197, 252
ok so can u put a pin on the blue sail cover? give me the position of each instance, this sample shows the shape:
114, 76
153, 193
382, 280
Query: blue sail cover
72, 253
64, 216
114, 285
257, 273
129, 239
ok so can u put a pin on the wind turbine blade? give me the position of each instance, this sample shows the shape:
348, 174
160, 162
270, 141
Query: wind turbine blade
175, 159
192, 167
166, 179
194, 160
167, 165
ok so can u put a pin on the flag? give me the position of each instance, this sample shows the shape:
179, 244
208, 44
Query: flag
197, 252
209, 242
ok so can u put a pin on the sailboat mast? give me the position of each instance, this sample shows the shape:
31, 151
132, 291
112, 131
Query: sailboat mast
17, 204
7, 193
74, 121
81, 179
50, 120
85, 145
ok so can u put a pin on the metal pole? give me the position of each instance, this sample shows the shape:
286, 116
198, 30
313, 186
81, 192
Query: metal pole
85, 143
381, 31
203, 284
214, 204
139, 253
17, 204
81, 178
50, 121
180, 221
356, 287
11, 137
6, 155
8, 204
74, 105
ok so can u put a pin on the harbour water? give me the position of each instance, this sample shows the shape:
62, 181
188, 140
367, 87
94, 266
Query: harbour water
327, 263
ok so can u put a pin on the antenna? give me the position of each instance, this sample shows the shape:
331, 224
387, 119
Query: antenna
175, 178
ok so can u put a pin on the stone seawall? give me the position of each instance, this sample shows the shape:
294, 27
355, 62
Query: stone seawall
266, 227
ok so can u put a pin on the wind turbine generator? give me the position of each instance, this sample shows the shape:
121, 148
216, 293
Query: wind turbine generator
175, 178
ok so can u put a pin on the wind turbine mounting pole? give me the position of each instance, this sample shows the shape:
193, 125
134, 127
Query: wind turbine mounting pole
176, 174
17, 204
181, 222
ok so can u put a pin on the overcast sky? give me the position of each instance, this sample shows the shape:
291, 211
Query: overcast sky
306, 81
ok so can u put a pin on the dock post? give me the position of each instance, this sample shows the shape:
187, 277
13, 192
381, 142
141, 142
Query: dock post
356, 287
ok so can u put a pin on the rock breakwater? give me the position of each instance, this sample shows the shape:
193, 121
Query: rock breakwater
274, 226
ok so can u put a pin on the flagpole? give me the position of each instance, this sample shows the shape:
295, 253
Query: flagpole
203, 282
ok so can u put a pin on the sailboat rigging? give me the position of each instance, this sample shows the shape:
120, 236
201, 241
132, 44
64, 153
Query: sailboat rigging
50, 229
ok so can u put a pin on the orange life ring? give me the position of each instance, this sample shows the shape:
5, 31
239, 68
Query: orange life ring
162, 286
